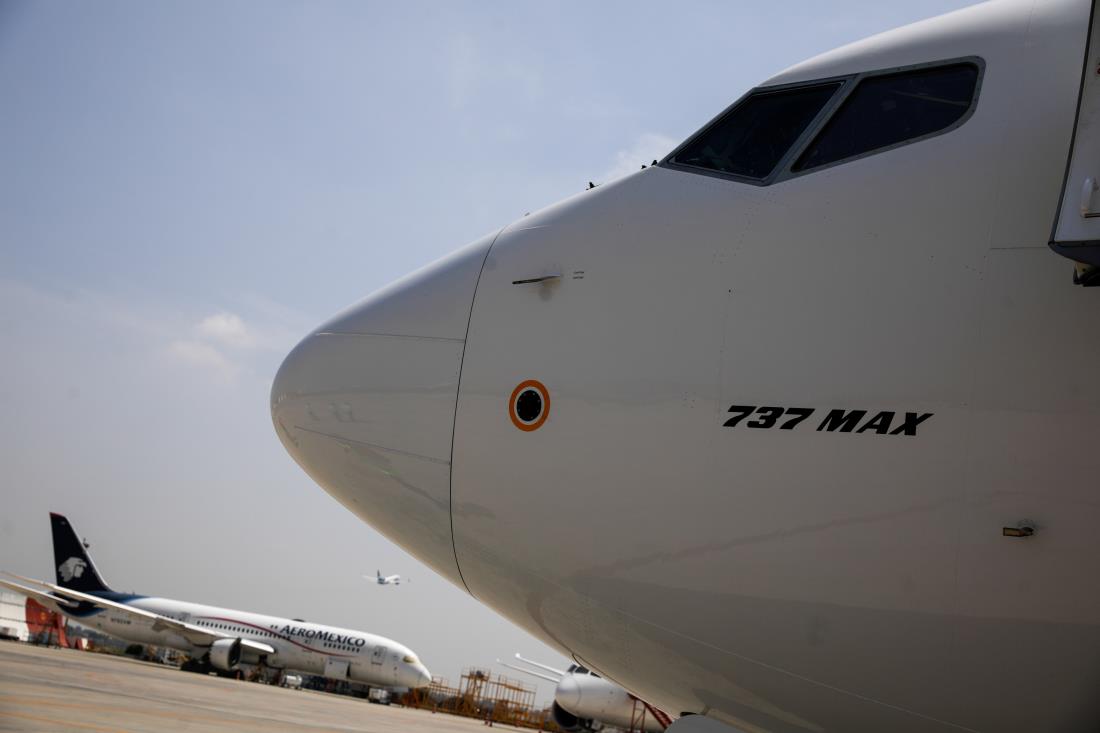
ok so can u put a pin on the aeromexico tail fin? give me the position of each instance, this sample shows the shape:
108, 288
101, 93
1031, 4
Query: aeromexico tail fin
75, 569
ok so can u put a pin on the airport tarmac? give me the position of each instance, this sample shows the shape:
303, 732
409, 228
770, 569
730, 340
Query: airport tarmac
45, 689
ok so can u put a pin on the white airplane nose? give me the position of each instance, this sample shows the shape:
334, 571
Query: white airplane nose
568, 694
413, 676
366, 403
423, 676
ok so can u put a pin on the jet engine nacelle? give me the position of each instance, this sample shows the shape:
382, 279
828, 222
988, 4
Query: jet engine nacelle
225, 654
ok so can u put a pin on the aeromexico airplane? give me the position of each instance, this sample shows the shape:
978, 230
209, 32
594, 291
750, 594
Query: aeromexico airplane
216, 638
814, 402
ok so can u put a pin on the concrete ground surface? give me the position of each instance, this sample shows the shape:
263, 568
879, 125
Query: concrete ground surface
66, 690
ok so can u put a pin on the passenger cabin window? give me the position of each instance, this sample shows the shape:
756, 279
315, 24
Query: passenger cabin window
891, 109
753, 137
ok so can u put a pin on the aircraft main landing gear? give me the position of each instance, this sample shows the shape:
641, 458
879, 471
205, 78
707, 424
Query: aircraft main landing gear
198, 666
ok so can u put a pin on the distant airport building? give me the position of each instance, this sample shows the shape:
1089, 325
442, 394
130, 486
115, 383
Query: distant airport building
13, 616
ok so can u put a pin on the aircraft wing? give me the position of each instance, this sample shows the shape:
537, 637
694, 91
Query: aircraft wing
533, 663
531, 672
197, 635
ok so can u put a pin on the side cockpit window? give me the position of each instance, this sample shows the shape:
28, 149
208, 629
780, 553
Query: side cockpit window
883, 111
751, 139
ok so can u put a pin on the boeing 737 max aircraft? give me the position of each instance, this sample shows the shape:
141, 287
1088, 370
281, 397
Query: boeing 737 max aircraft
815, 399
218, 638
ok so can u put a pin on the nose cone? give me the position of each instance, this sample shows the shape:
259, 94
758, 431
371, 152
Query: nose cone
423, 676
366, 404
568, 694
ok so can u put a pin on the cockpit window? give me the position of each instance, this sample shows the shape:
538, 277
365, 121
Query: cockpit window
753, 137
410, 659
889, 109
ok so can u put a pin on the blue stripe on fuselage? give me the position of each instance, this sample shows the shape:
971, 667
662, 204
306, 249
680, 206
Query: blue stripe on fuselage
86, 609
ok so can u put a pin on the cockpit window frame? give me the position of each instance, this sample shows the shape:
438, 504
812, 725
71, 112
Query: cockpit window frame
800, 142
848, 83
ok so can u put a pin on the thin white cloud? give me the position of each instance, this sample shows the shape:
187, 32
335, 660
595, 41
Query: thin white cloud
92, 309
204, 356
226, 328
224, 346
275, 326
463, 67
472, 73
646, 148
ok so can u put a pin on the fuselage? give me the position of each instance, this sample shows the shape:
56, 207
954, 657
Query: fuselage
299, 645
758, 448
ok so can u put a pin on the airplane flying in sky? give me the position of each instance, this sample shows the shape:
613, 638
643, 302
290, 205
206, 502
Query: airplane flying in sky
217, 639
814, 398
385, 579
584, 701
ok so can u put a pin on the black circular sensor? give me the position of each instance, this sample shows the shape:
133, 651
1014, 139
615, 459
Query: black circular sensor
529, 405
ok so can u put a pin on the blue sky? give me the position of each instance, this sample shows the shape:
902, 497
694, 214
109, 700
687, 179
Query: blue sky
186, 188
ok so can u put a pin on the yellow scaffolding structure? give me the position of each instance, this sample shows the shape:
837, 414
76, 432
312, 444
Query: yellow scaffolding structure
480, 694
